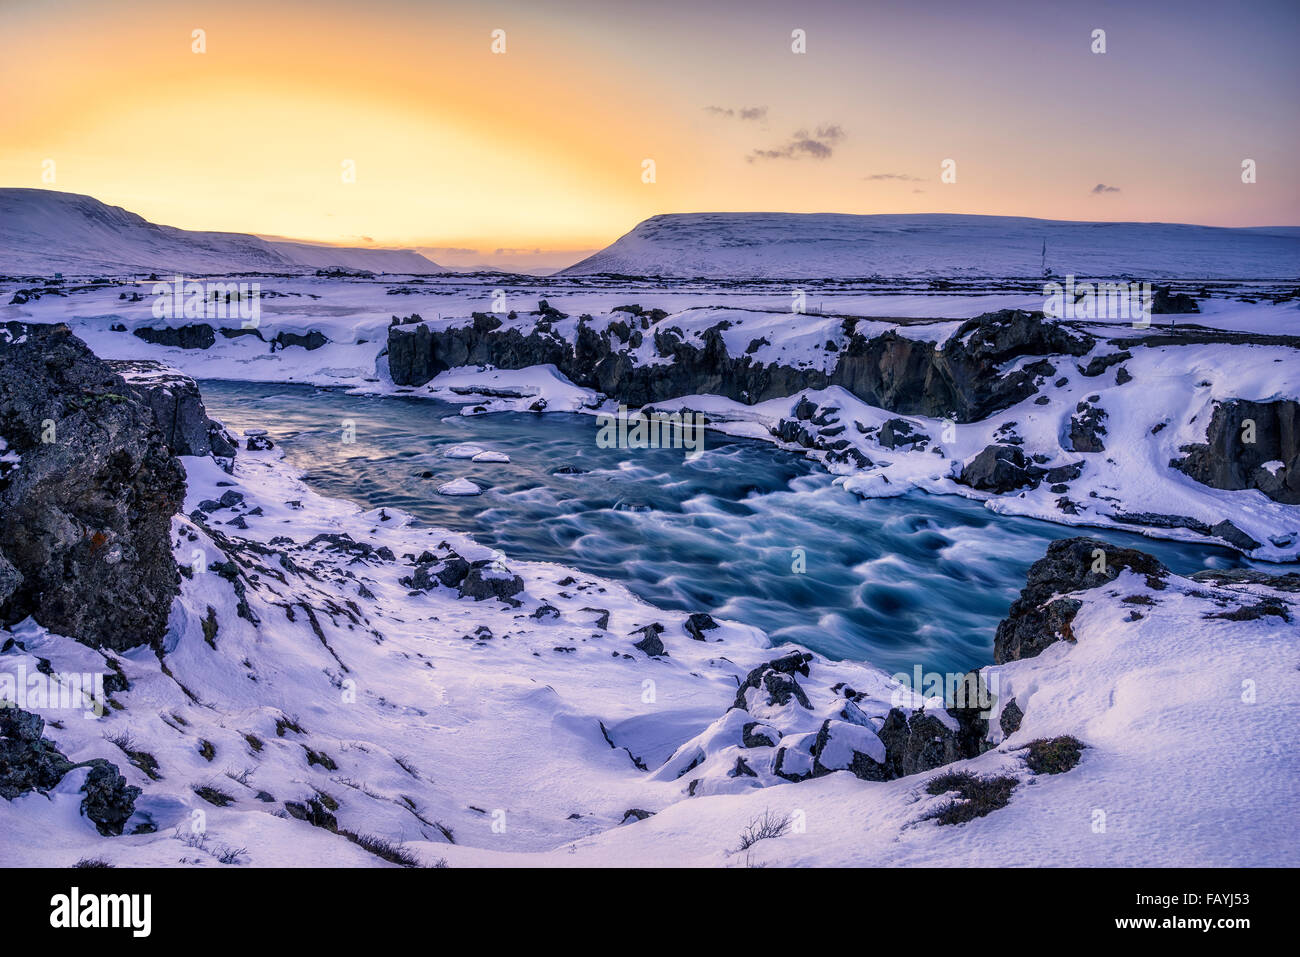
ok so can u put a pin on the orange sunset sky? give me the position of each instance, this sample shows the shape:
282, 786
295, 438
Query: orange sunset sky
460, 149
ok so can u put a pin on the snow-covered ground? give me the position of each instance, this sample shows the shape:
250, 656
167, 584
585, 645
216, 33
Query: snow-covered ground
495, 733
482, 733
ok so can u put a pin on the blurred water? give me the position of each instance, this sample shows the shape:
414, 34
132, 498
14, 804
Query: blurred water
896, 582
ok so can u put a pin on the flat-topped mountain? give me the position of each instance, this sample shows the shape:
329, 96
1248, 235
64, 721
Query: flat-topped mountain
840, 246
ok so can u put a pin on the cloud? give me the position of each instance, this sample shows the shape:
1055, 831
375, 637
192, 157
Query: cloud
752, 113
516, 251
1103, 188
819, 144
903, 177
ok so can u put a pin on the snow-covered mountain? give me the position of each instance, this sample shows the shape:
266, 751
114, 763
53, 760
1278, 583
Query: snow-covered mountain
833, 245
43, 231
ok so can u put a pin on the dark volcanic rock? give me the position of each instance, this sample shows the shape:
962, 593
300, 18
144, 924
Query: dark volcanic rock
999, 468
31, 762
918, 743
1010, 718
1099, 364
309, 341
1241, 438
177, 408
650, 644
698, 623
1039, 618
109, 800
28, 761
905, 375
1086, 428
769, 675
897, 432
1164, 302
197, 335
485, 580
85, 520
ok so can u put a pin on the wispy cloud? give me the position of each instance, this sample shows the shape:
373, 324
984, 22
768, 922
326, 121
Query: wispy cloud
819, 144
753, 113
902, 177
1103, 188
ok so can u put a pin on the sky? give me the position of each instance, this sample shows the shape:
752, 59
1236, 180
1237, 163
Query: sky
394, 122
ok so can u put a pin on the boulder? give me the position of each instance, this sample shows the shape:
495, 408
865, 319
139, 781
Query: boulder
486, 579
999, 468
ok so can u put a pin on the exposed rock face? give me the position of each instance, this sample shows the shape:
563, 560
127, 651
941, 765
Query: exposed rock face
1039, 617
1087, 427
1242, 439
919, 743
310, 340
201, 335
909, 376
1164, 302
198, 335
85, 518
31, 762
177, 408
28, 762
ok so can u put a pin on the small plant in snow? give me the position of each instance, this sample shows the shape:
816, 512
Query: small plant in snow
767, 825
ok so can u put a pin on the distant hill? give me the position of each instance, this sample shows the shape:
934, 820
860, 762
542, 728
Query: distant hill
43, 231
834, 245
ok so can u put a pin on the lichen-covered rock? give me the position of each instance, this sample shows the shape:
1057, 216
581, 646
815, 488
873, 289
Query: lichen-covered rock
85, 520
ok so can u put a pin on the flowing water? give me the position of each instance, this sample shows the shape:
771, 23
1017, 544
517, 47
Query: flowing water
896, 582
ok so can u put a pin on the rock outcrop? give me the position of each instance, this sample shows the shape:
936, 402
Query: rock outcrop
31, 762
962, 377
1250, 445
177, 408
1042, 615
85, 517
